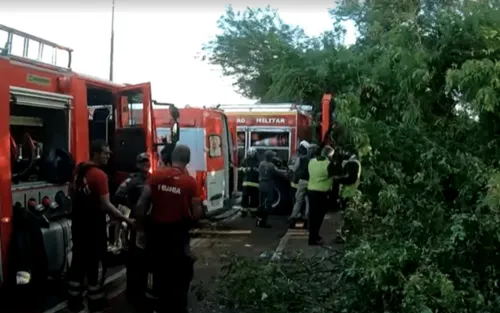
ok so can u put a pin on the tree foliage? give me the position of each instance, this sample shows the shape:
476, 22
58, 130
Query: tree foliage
419, 96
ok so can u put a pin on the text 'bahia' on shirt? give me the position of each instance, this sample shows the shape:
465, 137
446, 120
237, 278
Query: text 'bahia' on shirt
172, 190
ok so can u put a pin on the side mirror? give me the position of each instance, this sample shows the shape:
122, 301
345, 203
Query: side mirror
174, 129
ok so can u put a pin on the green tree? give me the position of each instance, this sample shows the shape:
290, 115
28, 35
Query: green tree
418, 95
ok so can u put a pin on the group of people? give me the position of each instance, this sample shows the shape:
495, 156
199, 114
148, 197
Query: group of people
323, 179
158, 208
259, 184
332, 179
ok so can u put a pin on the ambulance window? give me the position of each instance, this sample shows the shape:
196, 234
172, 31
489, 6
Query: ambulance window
215, 149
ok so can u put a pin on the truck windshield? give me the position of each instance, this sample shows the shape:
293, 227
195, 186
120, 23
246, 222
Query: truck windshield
135, 108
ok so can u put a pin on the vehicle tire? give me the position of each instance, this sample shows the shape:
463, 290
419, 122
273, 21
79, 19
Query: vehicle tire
244, 213
282, 204
277, 199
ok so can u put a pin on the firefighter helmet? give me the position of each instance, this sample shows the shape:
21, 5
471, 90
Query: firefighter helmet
251, 152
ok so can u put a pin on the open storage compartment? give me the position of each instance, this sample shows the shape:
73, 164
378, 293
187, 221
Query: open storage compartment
40, 136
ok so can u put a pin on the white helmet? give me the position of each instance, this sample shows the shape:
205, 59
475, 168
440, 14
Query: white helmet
251, 152
304, 144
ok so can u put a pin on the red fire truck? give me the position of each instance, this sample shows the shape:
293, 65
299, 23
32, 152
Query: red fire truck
49, 116
278, 127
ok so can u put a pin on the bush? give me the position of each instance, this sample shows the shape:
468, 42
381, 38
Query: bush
278, 286
418, 96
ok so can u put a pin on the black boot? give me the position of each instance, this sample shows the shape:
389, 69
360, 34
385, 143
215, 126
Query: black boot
316, 241
262, 223
306, 224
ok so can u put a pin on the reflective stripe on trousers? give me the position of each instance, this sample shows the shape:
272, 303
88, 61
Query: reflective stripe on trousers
150, 293
87, 263
250, 184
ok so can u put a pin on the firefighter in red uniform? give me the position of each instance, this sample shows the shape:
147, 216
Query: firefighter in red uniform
90, 197
174, 199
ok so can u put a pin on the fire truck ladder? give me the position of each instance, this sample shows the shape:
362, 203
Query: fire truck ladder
267, 107
36, 42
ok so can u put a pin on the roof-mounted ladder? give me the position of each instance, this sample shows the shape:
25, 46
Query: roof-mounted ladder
33, 48
265, 107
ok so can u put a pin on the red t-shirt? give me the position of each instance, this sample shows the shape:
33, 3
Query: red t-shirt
89, 220
97, 182
172, 190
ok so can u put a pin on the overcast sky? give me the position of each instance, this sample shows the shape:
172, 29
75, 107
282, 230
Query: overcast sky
156, 43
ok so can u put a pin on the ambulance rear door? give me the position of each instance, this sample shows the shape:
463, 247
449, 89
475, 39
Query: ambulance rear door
218, 157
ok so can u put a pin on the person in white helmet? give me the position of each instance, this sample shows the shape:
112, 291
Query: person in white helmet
300, 180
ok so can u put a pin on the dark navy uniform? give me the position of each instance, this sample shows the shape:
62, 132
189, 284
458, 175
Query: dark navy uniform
88, 231
128, 194
250, 169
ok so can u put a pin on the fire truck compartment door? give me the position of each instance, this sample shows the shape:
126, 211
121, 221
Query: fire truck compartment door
42, 99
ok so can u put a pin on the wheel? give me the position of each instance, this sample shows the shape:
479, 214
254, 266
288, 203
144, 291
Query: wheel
283, 203
244, 213
277, 199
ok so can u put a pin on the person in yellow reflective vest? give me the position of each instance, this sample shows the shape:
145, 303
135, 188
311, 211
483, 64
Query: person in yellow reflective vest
250, 171
349, 181
321, 171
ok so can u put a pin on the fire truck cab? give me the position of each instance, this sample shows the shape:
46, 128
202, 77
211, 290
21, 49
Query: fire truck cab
211, 138
278, 127
49, 117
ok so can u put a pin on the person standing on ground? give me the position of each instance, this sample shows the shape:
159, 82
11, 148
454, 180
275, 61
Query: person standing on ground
300, 179
268, 174
90, 197
173, 196
250, 169
293, 168
321, 171
128, 194
349, 181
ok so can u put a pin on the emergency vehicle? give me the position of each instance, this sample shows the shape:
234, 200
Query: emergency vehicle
278, 127
211, 137
49, 117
